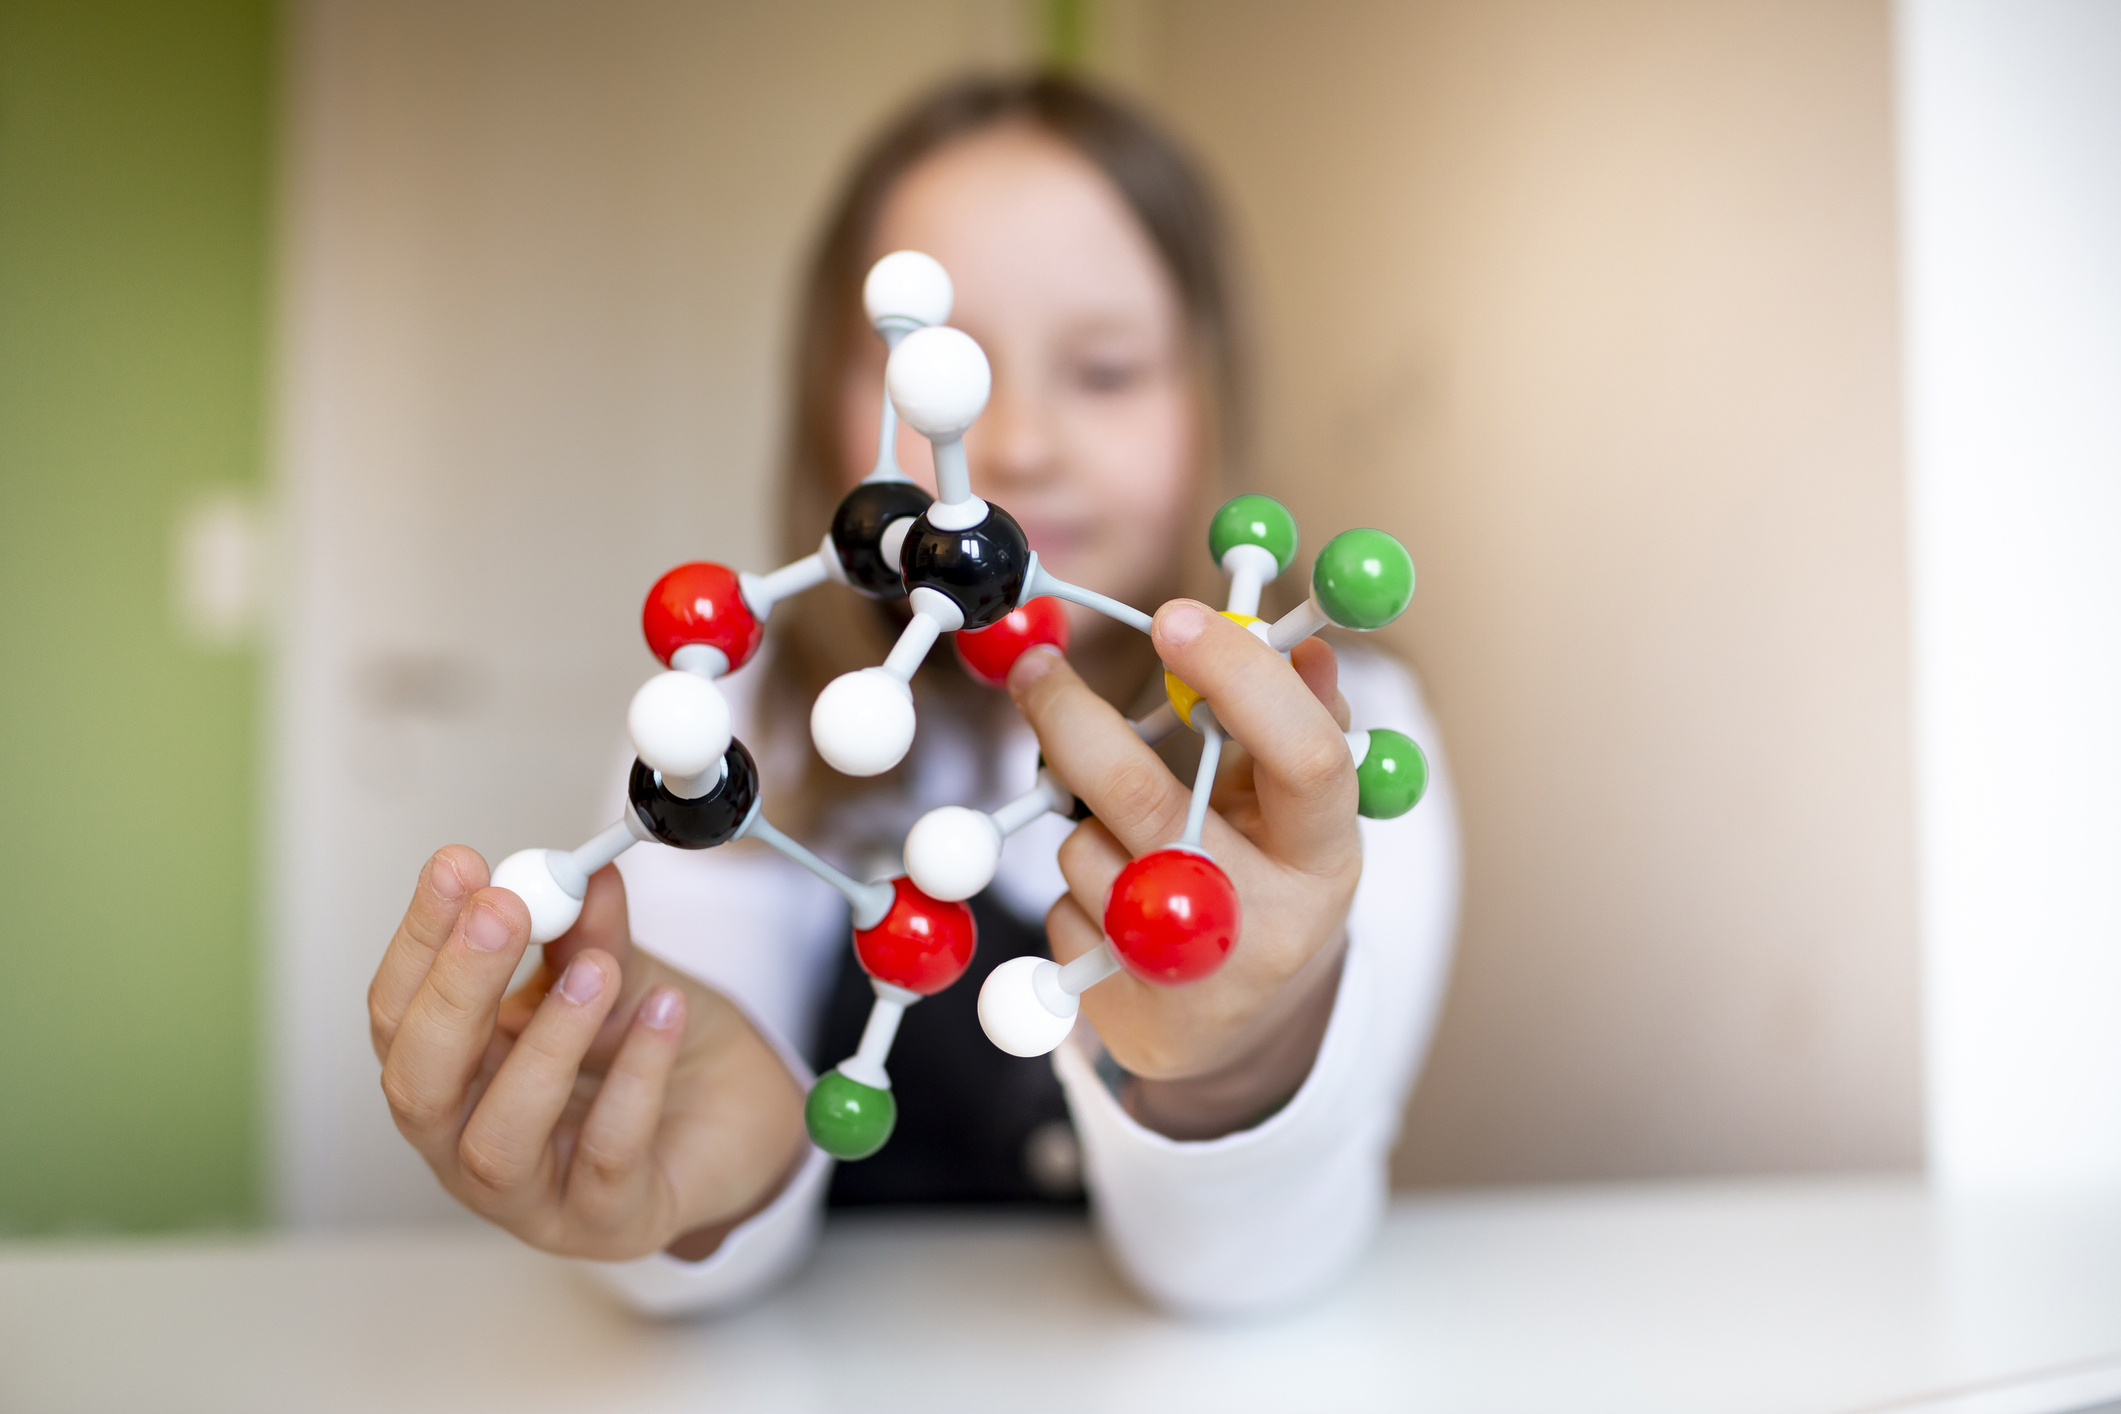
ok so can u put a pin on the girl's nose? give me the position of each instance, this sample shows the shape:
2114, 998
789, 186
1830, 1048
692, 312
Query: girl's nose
1012, 444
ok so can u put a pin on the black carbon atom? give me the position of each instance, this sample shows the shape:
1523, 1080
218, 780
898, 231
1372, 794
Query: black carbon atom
980, 570
858, 527
713, 818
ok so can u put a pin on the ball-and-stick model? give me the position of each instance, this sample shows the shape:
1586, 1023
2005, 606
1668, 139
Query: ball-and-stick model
1172, 916
967, 570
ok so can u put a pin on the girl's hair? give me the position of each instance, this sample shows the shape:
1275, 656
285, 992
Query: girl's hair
836, 633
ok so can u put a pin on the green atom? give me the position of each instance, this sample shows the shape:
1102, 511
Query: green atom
847, 1119
1254, 520
1392, 775
1363, 579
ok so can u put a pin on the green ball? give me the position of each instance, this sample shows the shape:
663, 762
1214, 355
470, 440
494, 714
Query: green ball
847, 1119
1392, 776
1254, 520
1363, 579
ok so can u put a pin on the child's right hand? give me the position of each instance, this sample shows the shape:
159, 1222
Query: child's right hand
610, 1109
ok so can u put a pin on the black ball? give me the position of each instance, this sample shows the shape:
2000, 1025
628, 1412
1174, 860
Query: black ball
858, 527
980, 570
713, 818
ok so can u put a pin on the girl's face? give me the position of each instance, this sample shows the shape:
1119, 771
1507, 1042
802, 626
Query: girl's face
1090, 437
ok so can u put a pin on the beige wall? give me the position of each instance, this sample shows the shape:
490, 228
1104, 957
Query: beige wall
1595, 302
1591, 301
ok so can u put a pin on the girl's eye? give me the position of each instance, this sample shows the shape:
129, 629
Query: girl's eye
1109, 376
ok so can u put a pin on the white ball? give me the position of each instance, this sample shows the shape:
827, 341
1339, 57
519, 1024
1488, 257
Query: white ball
952, 853
552, 909
862, 723
1014, 1017
939, 381
679, 723
906, 285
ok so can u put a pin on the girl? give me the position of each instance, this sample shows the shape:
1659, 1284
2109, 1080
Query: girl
640, 1102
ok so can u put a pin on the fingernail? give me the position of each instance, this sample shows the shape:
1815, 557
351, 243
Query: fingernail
448, 879
1032, 664
485, 930
582, 981
1180, 622
662, 1009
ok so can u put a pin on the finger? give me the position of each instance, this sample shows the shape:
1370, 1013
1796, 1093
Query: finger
610, 1173
442, 1040
1094, 751
603, 923
1301, 769
506, 1147
1316, 664
446, 881
1090, 859
1070, 931
604, 926
519, 1006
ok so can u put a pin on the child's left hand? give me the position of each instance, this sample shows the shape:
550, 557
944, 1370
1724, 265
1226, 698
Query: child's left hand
1214, 1055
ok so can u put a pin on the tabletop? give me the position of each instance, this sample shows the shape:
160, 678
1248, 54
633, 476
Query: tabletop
1828, 1296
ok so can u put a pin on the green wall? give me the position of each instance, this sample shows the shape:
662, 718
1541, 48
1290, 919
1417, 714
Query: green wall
134, 156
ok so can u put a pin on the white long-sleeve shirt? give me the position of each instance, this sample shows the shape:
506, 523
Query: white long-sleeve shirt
1255, 1219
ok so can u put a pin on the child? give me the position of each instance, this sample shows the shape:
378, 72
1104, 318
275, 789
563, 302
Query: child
640, 1104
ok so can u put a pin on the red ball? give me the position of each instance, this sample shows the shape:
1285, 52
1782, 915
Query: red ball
923, 944
989, 653
1173, 916
700, 603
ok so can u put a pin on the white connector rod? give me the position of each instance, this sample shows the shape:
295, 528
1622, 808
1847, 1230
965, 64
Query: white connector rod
605, 846
887, 467
871, 901
866, 1065
1038, 581
1250, 567
1211, 751
955, 508
702, 660
693, 787
762, 591
1088, 970
1048, 795
1159, 724
933, 616
1297, 625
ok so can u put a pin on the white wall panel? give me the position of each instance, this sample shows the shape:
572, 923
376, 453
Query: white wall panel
2011, 153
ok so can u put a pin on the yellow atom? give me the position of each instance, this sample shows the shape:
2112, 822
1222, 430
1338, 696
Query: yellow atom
1184, 698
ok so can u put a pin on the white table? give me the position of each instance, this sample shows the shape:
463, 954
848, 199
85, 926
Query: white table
1796, 1296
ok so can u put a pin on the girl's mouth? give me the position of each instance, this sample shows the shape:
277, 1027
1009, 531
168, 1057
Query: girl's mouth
1055, 541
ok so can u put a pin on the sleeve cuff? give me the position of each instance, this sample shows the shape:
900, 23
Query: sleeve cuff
757, 1255
1254, 1219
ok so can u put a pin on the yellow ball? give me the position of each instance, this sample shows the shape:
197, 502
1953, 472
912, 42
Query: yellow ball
1183, 698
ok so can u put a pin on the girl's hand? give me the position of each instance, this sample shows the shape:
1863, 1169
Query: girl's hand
610, 1109
1213, 1056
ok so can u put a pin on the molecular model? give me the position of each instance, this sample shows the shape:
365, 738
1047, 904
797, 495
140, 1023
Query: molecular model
966, 569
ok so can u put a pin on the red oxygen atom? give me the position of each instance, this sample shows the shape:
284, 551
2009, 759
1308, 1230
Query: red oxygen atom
989, 653
923, 944
1172, 916
700, 603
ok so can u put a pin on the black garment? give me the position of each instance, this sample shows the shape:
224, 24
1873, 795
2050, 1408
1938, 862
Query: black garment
975, 1124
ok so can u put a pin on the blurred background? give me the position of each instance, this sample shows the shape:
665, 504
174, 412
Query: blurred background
1742, 374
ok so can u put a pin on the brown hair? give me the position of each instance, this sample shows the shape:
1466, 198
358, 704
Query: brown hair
1167, 194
